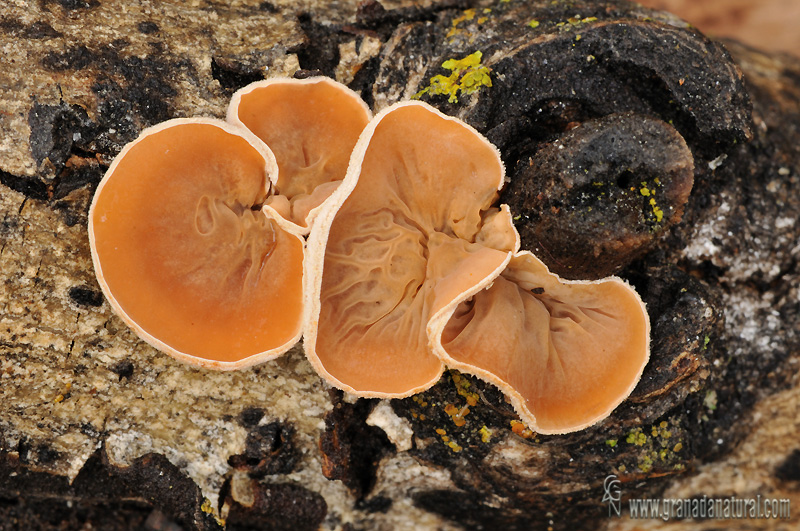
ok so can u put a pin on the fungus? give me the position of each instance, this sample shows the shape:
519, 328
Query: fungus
311, 125
197, 240
398, 240
184, 253
568, 353
196, 229
411, 266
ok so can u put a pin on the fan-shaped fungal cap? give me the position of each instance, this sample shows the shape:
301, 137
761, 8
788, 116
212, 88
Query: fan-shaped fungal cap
400, 238
184, 253
565, 352
410, 258
311, 125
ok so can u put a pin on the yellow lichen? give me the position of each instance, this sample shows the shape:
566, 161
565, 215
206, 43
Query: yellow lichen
209, 509
636, 437
486, 434
469, 14
520, 429
467, 77
533, 23
647, 191
462, 386
206, 507
659, 214
575, 22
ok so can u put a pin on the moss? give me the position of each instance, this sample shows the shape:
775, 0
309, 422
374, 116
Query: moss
467, 76
611, 442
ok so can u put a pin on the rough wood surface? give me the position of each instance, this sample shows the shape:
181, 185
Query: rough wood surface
92, 418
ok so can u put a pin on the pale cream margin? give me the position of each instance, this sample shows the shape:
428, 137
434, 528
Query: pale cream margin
271, 169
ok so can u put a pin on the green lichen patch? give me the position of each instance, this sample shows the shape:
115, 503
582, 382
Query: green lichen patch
467, 76
657, 447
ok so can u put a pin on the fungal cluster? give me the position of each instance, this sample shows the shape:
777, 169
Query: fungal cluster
377, 239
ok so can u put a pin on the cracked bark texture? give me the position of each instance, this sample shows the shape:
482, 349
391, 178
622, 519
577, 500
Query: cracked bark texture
590, 102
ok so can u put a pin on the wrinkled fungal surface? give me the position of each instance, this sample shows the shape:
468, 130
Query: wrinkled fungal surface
197, 226
401, 242
183, 251
418, 261
311, 125
567, 354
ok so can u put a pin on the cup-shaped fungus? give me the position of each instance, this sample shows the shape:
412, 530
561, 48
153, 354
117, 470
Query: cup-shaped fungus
193, 246
419, 267
566, 353
311, 125
397, 241
184, 253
